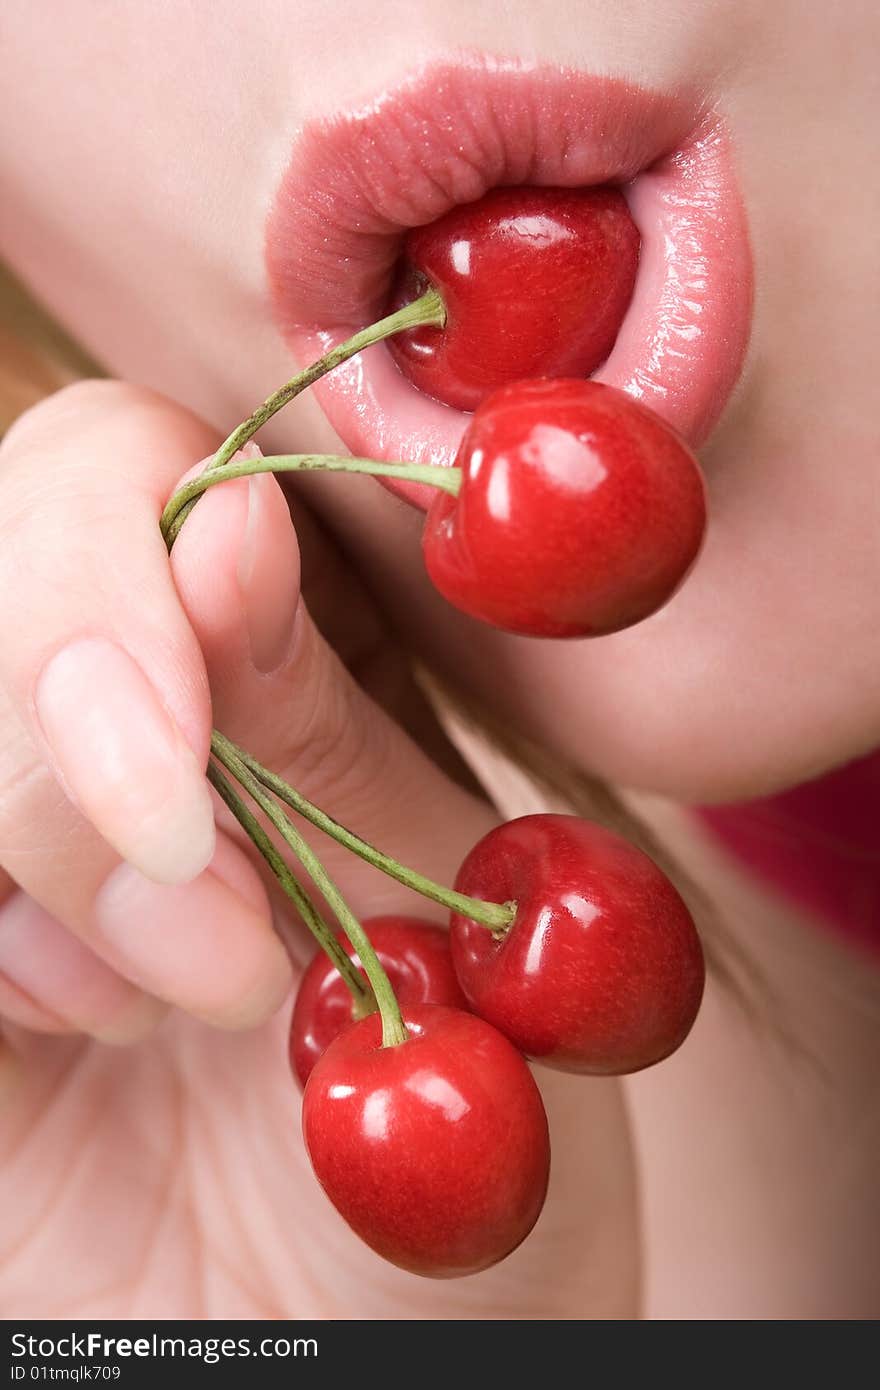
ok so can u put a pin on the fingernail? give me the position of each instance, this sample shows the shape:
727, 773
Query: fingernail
268, 577
124, 761
204, 946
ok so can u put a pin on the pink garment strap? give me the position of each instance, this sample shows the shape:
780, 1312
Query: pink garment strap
818, 843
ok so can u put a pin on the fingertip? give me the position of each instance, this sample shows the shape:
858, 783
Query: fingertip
208, 946
123, 759
269, 575
203, 566
260, 993
51, 982
237, 571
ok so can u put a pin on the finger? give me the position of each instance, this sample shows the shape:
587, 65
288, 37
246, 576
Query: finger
16, 1005
283, 694
208, 945
50, 982
103, 670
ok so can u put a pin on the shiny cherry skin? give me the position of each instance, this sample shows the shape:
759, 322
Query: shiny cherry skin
436, 1152
602, 970
580, 512
536, 282
415, 957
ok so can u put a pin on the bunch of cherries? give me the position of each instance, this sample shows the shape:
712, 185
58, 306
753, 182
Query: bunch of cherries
571, 511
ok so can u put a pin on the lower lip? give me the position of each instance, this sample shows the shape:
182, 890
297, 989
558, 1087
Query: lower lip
334, 234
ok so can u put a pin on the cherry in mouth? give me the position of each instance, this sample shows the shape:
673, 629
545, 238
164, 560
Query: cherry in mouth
535, 281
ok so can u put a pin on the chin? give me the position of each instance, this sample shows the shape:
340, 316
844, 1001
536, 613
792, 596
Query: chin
729, 768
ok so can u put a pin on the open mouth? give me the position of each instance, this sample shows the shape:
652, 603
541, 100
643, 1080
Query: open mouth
357, 183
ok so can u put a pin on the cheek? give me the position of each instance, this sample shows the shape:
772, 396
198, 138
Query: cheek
763, 671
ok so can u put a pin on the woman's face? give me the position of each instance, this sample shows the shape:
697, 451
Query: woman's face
153, 153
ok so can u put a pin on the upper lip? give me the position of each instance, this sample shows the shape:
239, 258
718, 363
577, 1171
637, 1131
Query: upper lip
446, 135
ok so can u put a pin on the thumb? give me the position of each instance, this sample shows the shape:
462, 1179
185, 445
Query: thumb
106, 819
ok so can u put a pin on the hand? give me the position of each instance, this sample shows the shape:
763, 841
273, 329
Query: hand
168, 1177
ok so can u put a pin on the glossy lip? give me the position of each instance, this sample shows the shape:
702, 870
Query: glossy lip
357, 182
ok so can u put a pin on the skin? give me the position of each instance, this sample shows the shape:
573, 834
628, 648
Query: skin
138, 200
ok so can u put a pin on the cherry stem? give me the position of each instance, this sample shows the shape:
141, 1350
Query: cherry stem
394, 1029
498, 917
363, 998
428, 311
180, 505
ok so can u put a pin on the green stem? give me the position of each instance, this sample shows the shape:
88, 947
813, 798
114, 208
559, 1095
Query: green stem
496, 916
180, 505
428, 311
394, 1029
363, 999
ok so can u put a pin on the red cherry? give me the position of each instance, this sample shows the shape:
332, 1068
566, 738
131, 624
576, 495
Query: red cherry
536, 282
602, 969
415, 957
580, 512
436, 1151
